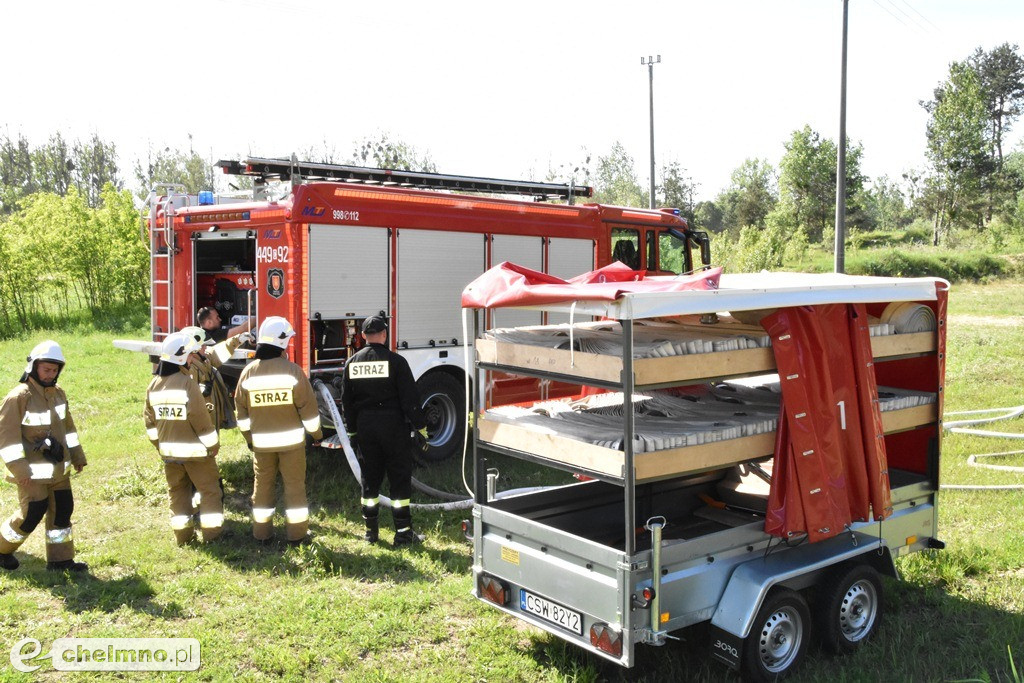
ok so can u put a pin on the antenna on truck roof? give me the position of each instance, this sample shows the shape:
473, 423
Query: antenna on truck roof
264, 169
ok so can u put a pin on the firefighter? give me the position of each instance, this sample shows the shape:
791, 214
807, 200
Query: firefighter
39, 444
209, 319
179, 425
276, 408
204, 370
380, 404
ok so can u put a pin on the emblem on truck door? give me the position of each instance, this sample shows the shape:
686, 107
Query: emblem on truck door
275, 282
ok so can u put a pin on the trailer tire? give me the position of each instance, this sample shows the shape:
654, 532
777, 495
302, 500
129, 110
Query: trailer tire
848, 607
444, 407
778, 637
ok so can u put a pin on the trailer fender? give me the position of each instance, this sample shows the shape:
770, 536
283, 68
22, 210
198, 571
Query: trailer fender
751, 581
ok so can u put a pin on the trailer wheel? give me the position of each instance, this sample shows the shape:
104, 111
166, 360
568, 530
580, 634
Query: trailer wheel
778, 637
849, 607
445, 409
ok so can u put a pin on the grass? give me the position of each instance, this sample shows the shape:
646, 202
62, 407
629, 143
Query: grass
340, 610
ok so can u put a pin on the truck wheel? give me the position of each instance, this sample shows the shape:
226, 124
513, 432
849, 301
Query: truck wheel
848, 607
445, 409
778, 637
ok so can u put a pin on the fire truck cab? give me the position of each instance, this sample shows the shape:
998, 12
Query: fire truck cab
350, 242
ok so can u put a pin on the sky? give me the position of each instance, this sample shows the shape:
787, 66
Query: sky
503, 90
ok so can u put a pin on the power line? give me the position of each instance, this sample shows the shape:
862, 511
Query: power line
890, 13
919, 14
917, 24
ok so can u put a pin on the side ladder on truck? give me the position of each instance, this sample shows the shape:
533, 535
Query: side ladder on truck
161, 256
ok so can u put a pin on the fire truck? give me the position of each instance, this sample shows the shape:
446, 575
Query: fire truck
343, 243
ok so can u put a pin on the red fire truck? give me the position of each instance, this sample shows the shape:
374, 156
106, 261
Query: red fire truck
349, 242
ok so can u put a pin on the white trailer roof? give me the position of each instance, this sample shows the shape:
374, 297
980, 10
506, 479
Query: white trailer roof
754, 291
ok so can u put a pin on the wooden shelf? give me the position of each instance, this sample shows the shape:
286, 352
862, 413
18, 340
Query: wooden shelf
667, 463
673, 369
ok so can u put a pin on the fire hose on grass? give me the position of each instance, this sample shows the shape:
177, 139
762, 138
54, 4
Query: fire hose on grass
987, 416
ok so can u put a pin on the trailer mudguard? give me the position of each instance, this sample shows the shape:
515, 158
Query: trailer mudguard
751, 581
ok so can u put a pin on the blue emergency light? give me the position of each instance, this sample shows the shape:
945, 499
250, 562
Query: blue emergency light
205, 198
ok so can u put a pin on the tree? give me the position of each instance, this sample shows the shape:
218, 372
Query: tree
707, 216
957, 148
386, 152
95, 164
676, 189
16, 178
807, 182
1001, 79
885, 204
174, 166
751, 195
615, 180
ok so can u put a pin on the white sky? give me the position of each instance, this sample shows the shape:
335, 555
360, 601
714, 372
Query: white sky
490, 88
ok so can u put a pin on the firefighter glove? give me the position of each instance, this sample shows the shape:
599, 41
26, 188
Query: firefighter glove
213, 450
420, 438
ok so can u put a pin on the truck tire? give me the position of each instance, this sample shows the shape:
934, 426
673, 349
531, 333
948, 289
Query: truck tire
778, 637
848, 607
444, 407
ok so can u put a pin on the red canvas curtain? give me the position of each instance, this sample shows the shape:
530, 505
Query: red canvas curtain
830, 464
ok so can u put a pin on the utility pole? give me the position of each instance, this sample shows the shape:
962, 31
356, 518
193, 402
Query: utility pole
651, 61
840, 260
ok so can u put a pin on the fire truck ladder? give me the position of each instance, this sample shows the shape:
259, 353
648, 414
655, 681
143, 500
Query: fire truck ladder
161, 249
301, 171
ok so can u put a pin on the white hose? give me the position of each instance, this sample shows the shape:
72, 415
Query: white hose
353, 464
996, 415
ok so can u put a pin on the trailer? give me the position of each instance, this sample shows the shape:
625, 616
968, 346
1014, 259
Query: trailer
344, 243
683, 526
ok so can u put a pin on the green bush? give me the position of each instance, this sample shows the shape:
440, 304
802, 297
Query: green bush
972, 266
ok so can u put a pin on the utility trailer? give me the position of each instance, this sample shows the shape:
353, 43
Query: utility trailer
663, 538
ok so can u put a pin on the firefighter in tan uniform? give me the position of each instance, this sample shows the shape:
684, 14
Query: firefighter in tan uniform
39, 445
204, 369
178, 423
276, 408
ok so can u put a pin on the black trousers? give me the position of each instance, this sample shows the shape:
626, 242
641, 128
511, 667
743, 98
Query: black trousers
386, 451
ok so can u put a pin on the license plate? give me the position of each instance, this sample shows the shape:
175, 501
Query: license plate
550, 611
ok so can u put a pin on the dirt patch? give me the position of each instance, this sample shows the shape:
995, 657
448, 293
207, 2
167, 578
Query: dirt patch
993, 320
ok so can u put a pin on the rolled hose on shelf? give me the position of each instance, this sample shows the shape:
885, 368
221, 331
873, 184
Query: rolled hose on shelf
455, 502
963, 427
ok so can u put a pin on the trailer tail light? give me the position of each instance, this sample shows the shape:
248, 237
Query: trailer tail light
643, 600
493, 589
606, 639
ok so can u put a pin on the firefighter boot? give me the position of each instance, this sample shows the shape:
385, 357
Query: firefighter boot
406, 537
8, 561
67, 565
372, 534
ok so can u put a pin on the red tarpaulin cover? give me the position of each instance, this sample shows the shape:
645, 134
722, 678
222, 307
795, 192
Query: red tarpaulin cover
507, 284
830, 464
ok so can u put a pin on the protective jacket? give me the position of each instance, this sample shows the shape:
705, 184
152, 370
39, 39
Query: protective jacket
275, 406
30, 415
177, 420
378, 379
211, 384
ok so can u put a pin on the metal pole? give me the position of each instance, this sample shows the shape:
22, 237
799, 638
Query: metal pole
840, 260
651, 61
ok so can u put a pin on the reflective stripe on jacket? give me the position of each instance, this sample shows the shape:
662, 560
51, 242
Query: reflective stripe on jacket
177, 420
275, 405
29, 414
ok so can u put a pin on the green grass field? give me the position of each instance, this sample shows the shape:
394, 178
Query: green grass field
341, 610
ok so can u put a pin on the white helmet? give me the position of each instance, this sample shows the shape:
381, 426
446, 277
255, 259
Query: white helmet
275, 331
47, 351
176, 347
198, 337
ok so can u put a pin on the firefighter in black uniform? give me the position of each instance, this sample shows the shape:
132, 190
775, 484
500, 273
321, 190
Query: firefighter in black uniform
382, 406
